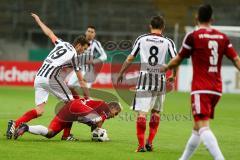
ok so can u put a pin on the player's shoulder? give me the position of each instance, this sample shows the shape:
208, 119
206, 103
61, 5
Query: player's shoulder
169, 40
143, 36
220, 33
96, 42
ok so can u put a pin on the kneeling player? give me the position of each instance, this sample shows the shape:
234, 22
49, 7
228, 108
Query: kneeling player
90, 112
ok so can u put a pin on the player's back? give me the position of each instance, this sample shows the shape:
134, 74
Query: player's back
154, 50
208, 47
61, 56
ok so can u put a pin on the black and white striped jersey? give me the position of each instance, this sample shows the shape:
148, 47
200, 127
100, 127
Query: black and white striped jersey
154, 50
94, 51
63, 55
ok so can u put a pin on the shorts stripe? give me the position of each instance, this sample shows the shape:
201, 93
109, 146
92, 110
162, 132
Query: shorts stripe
197, 103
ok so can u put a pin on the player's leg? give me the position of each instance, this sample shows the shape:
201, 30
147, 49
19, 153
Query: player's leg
208, 138
203, 109
37, 130
194, 140
141, 104
41, 96
157, 103
192, 144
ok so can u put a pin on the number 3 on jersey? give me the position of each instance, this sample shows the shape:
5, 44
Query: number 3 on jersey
213, 46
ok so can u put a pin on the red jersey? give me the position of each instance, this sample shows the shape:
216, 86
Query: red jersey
206, 47
84, 111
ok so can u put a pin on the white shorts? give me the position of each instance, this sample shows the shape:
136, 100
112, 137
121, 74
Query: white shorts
56, 86
148, 100
72, 80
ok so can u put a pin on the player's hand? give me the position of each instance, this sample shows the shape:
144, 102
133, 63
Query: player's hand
171, 79
35, 16
119, 78
164, 68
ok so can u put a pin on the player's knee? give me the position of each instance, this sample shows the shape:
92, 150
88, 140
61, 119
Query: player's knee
40, 109
40, 112
142, 114
153, 111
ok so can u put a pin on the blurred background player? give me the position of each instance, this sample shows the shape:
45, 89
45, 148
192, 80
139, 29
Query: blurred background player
95, 54
206, 47
154, 49
90, 112
48, 78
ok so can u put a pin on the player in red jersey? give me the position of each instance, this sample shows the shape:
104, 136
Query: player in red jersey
206, 47
90, 112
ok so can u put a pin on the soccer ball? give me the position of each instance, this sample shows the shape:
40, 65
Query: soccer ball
100, 135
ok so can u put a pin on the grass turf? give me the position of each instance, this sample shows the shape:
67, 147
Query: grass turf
169, 143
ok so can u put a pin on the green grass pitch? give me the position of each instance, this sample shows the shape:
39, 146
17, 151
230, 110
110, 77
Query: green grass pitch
174, 131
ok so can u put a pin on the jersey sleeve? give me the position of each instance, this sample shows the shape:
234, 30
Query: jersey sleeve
187, 46
55, 40
136, 48
100, 50
171, 49
75, 63
230, 52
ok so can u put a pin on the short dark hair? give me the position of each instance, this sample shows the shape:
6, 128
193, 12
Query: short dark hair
115, 105
157, 22
80, 39
205, 13
91, 26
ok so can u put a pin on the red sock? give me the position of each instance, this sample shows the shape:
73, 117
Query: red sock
67, 130
141, 127
27, 117
153, 127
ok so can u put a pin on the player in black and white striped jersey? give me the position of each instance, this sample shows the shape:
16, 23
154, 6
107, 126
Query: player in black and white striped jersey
48, 79
154, 50
93, 55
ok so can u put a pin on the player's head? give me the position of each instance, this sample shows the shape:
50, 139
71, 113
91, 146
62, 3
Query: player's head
157, 22
90, 32
204, 14
115, 109
80, 44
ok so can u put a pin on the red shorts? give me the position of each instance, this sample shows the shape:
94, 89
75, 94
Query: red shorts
203, 106
57, 125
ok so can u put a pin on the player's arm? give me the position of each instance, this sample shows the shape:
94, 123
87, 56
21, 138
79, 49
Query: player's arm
81, 80
173, 64
125, 66
173, 53
47, 31
129, 60
236, 62
83, 84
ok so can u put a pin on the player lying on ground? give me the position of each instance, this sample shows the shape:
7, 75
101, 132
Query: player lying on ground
206, 47
90, 112
154, 49
48, 78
